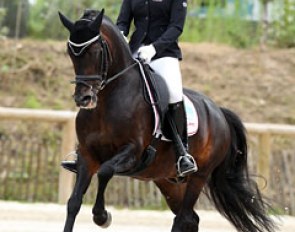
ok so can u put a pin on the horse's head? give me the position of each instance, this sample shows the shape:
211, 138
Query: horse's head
90, 56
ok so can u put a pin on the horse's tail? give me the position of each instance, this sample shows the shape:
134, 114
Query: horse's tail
234, 194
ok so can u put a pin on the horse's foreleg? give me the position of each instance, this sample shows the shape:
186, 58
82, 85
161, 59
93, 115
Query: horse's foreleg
74, 204
100, 216
123, 161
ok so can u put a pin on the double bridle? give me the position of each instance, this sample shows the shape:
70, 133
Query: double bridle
105, 60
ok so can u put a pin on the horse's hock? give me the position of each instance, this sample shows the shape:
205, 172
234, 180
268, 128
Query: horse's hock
35, 156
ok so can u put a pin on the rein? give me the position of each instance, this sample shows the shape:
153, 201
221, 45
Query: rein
105, 58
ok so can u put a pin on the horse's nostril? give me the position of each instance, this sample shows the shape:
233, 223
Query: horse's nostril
86, 98
82, 100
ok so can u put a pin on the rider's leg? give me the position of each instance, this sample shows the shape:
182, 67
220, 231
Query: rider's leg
169, 69
177, 121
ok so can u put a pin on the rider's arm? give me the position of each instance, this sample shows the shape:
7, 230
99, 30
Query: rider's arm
175, 27
125, 17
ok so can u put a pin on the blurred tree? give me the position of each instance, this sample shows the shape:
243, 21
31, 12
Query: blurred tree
3, 30
41, 19
17, 12
284, 28
265, 23
44, 20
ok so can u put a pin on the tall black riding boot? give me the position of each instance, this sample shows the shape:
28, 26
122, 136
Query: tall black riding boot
176, 118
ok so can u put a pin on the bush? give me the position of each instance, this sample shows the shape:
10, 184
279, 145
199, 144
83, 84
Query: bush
284, 28
221, 22
3, 30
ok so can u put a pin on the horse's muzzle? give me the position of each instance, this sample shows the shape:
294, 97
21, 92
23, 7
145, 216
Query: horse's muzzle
85, 101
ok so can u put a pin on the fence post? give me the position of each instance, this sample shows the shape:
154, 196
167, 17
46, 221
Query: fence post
66, 178
263, 165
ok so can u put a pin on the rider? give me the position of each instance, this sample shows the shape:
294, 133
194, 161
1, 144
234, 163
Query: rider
158, 24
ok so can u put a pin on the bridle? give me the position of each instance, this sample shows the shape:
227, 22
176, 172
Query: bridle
106, 59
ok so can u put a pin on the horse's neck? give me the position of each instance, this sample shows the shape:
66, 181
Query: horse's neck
121, 60
119, 50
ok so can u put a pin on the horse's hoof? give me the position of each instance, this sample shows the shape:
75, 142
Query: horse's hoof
104, 220
108, 221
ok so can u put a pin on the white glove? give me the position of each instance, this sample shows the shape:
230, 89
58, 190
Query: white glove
126, 39
146, 53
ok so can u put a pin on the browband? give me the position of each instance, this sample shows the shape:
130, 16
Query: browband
83, 45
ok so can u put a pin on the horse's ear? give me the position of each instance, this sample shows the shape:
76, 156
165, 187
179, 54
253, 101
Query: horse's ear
95, 25
66, 22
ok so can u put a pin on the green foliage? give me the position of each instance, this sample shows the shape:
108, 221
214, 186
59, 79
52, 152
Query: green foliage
15, 17
44, 21
221, 21
43, 18
239, 33
3, 30
4, 68
210, 21
284, 27
32, 102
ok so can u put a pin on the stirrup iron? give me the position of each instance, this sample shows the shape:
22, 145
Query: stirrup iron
70, 165
184, 173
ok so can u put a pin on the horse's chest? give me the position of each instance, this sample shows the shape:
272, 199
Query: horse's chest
97, 145
95, 138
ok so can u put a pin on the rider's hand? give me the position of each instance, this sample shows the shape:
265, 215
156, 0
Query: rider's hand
146, 53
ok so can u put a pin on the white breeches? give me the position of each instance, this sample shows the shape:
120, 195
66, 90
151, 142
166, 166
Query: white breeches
169, 69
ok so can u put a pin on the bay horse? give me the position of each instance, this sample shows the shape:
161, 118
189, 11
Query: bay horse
114, 127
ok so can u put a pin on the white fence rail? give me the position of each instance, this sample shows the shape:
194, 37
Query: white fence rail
67, 118
265, 133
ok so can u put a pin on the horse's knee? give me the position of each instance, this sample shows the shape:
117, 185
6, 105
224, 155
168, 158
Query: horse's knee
106, 172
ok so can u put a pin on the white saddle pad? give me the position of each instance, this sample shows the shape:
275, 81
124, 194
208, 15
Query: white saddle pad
191, 112
192, 119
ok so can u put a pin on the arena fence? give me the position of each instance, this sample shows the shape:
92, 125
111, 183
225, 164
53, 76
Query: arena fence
33, 142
